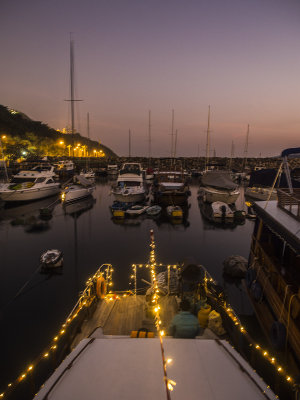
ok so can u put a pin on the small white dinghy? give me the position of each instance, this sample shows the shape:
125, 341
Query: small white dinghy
136, 210
51, 259
153, 210
221, 210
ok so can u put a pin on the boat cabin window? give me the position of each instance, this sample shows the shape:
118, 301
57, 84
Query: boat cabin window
40, 180
50, 181
22, 180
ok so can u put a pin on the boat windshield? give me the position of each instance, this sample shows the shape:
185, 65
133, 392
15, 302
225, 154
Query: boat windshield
39, 168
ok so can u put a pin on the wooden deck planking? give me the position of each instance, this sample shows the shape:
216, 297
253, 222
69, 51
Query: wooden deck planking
128, 315
121, 316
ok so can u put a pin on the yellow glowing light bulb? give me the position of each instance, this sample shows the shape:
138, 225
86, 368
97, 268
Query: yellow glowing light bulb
288, 378
2, 394
279, 369
30, 367
162, 333
169, 360
257, 346
265, 353
46, 355
9, 385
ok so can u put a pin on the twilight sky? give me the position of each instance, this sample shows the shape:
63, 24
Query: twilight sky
241, 57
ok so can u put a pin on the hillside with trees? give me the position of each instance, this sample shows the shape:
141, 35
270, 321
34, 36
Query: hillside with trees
22, 137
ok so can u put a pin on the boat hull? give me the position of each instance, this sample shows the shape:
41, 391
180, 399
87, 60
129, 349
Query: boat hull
77, 194
29, 194
129, 198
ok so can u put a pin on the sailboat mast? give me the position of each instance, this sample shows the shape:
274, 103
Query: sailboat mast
172, 136
231, 154
207, 140
88, 125
175, 146
72, 92
72, 84
129, 143
149, 136
246, 147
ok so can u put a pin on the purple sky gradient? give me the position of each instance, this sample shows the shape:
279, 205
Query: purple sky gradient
240, 56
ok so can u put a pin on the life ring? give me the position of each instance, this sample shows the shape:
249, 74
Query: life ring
278, 335
250, 276
256, 291
101, 287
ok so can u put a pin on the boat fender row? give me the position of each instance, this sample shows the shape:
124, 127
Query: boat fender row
101, 287
143, 333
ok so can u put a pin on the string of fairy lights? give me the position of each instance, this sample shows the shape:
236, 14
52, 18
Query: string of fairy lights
85, 300
88, 296
155, 300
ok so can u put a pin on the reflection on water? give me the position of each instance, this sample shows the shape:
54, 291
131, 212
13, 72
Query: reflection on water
88, 236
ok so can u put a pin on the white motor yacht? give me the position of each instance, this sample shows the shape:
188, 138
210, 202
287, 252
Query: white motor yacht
130, 185
79, 188
33, 184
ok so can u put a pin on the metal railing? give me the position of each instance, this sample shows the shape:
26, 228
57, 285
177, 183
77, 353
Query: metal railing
289, 202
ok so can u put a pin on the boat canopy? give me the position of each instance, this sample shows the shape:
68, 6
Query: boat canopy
291, 151
218, 179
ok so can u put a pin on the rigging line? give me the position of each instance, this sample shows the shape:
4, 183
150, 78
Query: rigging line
21, 289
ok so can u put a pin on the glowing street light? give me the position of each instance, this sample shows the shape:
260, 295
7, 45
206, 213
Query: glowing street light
69, 147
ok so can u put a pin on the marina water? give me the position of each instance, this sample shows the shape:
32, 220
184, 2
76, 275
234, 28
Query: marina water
33, 305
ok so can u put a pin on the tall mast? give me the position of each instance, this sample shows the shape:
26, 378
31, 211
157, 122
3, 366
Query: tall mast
72, 96
207, 140
231, 154
175, 145
129, 143
149, 137
72, 84
172, 136
88, 125
246, 147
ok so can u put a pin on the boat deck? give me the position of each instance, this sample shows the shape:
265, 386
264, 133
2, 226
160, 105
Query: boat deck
126, 314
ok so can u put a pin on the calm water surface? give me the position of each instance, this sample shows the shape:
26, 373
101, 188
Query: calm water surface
88, 237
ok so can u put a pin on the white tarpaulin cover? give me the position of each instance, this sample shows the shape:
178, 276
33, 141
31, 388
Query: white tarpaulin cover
124, 368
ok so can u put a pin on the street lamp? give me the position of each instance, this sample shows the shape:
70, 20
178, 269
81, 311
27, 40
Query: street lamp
69, 147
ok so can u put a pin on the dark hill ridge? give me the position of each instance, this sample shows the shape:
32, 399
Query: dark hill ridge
15, 123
